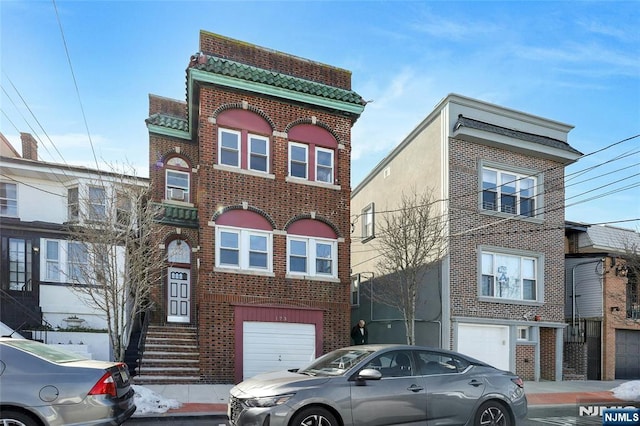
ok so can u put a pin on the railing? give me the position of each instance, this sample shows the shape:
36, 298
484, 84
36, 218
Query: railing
37, 324
634, 312
143, 337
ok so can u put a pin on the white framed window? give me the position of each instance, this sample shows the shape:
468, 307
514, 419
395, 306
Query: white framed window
77, 262
509, 192
73, 204
298, 160
258, 153
177, 180
523, 333
177, 186
355, 290
229, 147
245, 249
368, 222
324, 165
52, 260
124, 210
507, 276
312, 256
8, 199
97, 203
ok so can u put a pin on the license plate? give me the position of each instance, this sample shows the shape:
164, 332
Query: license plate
124, 375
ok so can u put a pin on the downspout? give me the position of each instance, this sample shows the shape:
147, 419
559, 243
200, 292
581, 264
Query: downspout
573, 288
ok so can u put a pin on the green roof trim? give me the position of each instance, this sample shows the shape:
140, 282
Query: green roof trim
178, 215
168, 125
236, 70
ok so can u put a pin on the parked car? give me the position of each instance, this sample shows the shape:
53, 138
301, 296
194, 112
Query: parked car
381, 385
43, 385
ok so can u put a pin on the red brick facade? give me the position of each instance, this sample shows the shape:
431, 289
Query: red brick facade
217, 295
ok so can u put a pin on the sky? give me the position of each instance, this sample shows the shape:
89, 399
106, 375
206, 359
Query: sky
77, 74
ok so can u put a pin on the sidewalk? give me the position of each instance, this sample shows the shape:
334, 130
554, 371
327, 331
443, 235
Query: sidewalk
211, 400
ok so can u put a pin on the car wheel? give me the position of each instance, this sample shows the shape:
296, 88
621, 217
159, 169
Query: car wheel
15, 418
314, 416
492, 413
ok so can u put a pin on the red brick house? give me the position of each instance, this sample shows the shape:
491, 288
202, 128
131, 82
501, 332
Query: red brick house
253, 171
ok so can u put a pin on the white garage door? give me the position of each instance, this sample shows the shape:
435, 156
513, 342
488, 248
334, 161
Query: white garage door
487, 343
270, 346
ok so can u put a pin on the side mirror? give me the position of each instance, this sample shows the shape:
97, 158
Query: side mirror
369, 374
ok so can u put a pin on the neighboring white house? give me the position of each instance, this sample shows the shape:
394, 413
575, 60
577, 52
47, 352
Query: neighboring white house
39, 263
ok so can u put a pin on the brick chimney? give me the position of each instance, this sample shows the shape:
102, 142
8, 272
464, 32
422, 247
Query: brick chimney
29, 147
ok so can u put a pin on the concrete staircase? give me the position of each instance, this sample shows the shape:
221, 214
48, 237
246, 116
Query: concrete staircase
170, 356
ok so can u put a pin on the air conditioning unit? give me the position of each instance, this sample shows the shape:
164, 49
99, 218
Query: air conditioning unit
176, 194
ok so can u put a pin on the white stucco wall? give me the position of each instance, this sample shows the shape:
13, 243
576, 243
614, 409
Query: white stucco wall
93, 345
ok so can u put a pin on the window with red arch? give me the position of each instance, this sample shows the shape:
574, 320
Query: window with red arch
177, 180
243, 141
244, 242
312, 249
312, 154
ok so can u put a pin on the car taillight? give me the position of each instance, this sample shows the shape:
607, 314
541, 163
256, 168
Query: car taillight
518, 381
105, 386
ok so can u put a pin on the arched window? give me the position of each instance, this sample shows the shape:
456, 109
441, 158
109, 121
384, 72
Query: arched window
244, 242
312, 154
178, 180
243, 141
179, 251
312, 249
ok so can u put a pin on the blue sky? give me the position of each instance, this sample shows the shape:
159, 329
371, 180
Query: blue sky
574, 62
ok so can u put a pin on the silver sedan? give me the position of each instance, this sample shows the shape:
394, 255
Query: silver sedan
381, 385
41, 385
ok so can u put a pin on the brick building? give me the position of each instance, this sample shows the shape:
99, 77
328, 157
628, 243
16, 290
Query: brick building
498, 294
602, 306
253, 171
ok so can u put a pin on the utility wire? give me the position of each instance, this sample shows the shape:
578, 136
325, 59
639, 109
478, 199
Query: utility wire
75, 82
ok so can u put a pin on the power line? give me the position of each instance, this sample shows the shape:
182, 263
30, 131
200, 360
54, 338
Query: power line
75, 83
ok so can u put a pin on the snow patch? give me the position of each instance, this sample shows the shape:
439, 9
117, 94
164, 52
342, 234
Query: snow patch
148, 402
628, 391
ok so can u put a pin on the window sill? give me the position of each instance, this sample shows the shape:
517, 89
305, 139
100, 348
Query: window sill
243, 171
312, 278
243, 271
313, 183
538, 220
490, 299
177, 203
367, 239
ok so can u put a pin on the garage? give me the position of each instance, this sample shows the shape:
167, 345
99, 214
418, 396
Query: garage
269, 346
627, 350
488, 343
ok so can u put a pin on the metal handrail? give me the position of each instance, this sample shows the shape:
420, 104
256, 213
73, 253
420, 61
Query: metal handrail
143, 337
29, 313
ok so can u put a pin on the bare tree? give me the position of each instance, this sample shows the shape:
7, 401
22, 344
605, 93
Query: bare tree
411, 240
113, 251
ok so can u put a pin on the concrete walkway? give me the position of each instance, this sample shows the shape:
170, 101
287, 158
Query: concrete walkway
211, 400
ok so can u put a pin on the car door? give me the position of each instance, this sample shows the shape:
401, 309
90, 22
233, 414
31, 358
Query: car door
452, 387
398, 398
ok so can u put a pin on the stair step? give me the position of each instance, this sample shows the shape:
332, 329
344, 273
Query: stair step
165, 379
168, 361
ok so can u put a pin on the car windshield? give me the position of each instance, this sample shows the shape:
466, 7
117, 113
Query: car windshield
336, 363
49, 352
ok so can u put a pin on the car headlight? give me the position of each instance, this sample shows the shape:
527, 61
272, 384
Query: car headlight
267, 401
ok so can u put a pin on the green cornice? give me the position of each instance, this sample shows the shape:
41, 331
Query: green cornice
266, 89
168, 132
227, 73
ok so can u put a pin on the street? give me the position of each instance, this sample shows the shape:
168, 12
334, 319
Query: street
538, 416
